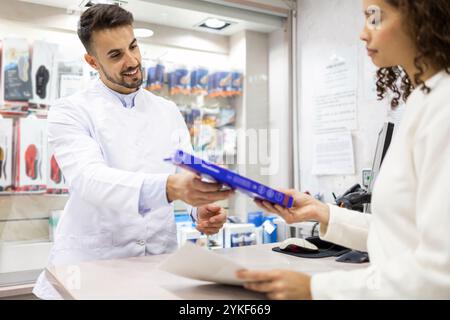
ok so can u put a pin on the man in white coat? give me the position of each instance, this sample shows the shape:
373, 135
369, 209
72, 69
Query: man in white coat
110, 141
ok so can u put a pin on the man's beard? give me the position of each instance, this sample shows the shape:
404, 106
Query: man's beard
137, 81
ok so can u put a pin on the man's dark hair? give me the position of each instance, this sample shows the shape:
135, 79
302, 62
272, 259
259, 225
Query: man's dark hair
100, 17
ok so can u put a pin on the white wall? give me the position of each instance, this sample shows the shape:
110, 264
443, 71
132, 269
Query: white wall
323, 26
252, 50
279, 112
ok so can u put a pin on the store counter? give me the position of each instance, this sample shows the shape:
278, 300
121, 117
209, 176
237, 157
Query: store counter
139, 278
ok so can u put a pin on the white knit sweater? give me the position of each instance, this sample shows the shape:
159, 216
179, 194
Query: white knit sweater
408, 234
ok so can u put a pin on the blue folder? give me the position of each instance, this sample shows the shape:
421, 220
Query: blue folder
215, 173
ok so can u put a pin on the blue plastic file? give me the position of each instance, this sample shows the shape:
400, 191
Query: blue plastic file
215, 173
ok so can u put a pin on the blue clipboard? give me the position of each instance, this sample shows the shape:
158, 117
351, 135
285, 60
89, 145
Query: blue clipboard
214, 173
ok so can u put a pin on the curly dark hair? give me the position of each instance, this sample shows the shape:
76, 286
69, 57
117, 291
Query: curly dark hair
428, 23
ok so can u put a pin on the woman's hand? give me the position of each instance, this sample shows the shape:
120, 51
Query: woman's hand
278, 284
304, 208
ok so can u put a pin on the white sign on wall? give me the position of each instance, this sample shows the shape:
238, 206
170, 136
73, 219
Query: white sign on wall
333, 154
336, 91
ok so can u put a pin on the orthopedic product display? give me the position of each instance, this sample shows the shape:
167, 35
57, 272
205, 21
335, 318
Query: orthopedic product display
43, 66
155, 77
32, 162
6, 154
30, 154
199, 81
42, 79
179, 81
56, 184
183, 80
16, 70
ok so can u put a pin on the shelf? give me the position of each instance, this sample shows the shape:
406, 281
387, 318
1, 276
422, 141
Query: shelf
21, 256
25, 216
24, 287
30, 193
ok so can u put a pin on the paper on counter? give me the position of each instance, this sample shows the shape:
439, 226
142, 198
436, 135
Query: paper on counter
197, 263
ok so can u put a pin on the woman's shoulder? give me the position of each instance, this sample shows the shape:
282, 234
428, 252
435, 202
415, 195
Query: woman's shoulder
437, 101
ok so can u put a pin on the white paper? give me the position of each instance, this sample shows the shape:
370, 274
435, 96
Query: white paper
333, 154
335, 94
198, 263
268, 227
70, 84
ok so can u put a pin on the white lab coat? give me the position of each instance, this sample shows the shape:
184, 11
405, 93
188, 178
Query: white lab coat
106, 152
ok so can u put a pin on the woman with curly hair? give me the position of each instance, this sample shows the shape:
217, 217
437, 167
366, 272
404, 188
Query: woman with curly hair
407, 236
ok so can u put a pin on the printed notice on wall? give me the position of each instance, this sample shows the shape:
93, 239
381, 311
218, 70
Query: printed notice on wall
336, 91
333, 154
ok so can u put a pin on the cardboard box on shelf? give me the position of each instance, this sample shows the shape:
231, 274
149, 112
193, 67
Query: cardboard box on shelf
6, 154
30, 155
239, 235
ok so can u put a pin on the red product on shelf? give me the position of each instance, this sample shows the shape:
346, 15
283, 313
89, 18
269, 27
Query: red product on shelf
32, 162
56, 183
29, 148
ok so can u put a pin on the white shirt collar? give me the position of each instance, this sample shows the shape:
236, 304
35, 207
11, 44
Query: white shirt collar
127, 100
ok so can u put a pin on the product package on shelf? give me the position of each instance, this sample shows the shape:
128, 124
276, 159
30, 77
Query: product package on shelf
155, 77
223, 84
56, 183
207, 138
226, 117
179, 81
199, 81
239, 235
219, 84
43, 71
237, 83
30, 155
16, 70
6, 155
229, 135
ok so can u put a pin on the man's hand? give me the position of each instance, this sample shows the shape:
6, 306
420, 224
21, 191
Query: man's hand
210, 219
189, 188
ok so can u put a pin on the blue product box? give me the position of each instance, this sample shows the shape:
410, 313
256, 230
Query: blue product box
155, 78
199, 80
229, 178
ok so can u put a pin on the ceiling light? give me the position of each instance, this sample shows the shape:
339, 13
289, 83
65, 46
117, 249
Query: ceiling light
143, 33
215, 24
90, 3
